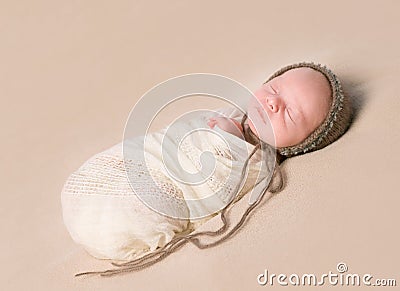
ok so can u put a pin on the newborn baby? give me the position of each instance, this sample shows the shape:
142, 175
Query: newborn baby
300, 108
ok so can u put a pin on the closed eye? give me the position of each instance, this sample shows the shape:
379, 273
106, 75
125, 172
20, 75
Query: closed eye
288, 111
272, 88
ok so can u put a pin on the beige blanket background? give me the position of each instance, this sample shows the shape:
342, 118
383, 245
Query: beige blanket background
70, 72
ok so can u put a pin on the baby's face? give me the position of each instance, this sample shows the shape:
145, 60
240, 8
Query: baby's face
295, 103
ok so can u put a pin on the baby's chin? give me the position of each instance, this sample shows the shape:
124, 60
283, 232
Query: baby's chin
270, 138
266, 136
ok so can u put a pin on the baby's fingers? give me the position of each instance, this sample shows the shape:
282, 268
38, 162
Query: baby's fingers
211, 122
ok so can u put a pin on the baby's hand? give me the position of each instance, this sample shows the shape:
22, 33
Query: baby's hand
212, 122
227, 124
220, 121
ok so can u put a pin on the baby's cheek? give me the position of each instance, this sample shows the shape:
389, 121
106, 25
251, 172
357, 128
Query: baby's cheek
279, 131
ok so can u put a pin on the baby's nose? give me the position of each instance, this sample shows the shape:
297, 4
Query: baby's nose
273, 104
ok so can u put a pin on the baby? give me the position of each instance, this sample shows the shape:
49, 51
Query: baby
300, 108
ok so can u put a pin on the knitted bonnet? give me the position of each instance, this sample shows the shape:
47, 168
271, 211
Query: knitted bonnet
334, 125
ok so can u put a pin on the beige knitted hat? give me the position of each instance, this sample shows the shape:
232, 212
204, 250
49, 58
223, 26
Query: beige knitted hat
336, 122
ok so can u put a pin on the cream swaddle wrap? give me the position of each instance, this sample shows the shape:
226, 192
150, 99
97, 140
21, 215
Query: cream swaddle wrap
103, 213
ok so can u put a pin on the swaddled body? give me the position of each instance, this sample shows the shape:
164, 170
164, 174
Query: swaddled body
105, 211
